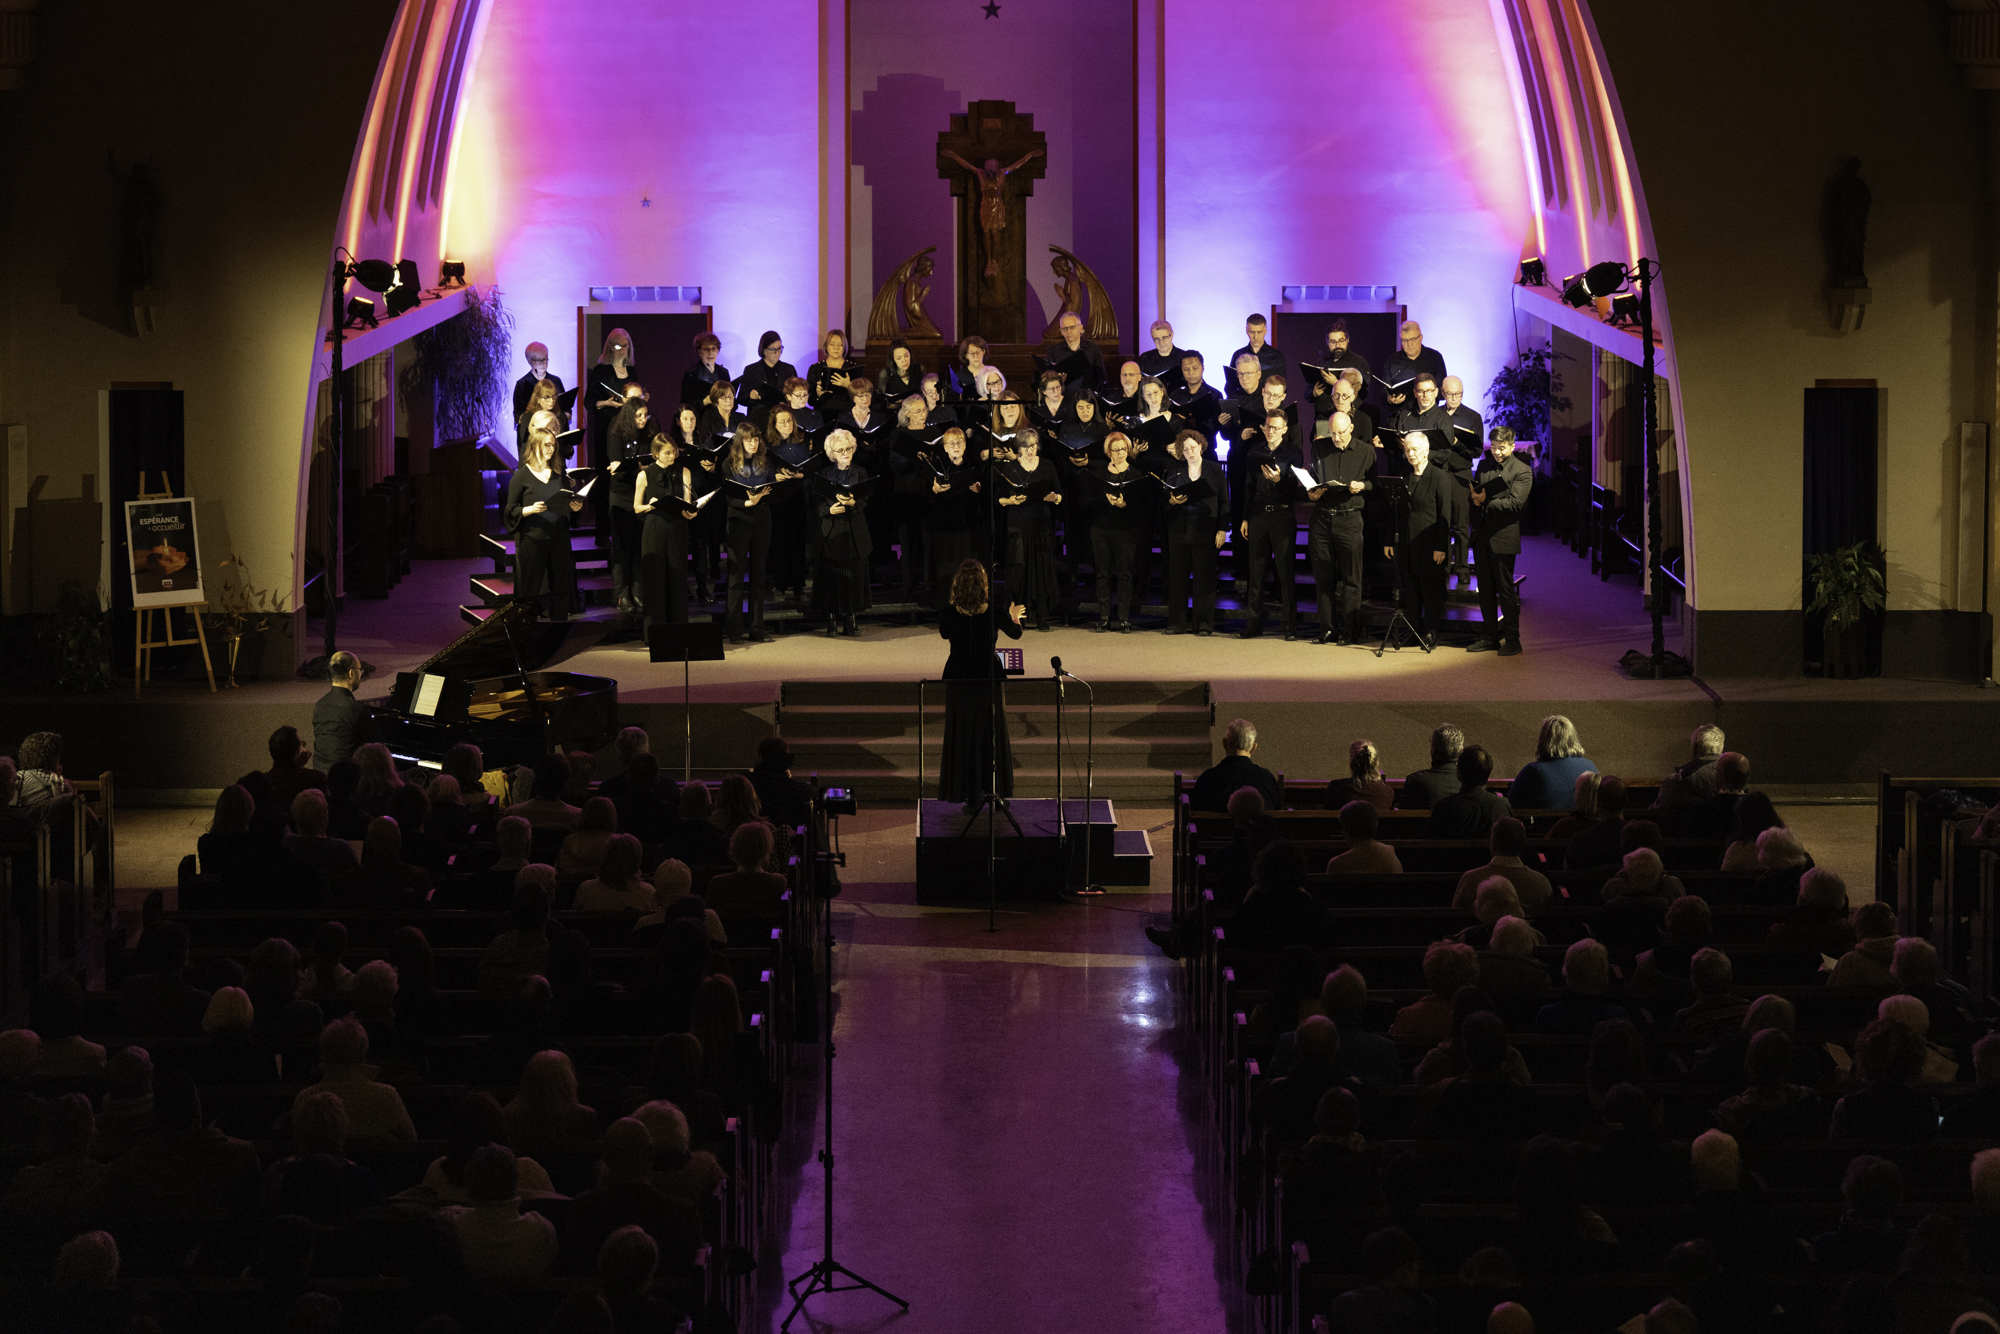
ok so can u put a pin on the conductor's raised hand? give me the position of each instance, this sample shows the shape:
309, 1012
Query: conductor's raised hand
1015, 611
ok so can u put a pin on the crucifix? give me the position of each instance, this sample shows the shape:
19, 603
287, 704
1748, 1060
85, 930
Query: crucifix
992, 155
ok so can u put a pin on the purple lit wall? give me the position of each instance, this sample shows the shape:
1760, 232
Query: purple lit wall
1309, 142
579, 112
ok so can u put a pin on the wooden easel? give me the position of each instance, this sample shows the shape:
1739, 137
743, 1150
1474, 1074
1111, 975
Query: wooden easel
142, 646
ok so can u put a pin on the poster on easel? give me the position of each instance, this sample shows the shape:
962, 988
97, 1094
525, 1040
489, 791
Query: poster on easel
166, 563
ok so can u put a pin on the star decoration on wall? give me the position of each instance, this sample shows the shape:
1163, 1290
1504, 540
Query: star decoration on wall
992, 9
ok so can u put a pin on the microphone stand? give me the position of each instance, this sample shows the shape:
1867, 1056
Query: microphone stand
1089, 766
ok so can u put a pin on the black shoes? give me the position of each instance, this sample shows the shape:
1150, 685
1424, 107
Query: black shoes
1483, 645
1176, 629
1511, 649
1331, 637
759, 635
1251, 632
1124, 627
1103, 627
1204, 631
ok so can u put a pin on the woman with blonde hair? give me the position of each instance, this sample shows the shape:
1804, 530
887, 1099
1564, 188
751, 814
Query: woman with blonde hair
829, 378
618, 886
379, 778
1548, 782
1363, 781
612, 380
627, 447
977, 759
583, 851
545, 1114
538, 512
1582, 809
542, 398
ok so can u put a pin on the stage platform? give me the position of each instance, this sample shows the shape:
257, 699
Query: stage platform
1308, 700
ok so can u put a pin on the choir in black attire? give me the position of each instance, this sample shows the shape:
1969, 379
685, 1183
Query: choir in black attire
1422, 544
762, 385
1501, 487
954, 508
844, 539
1117, 493
626, 452
750, 478
698, 381
1266, 523
1197, 520
1333, 536
665, 501
544, 565
1031, 567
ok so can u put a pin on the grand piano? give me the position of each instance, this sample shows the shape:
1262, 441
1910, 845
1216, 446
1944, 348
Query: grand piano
479, 689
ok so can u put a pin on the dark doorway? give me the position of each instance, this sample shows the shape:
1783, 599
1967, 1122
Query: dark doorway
1842, 445
662, 350
147, 436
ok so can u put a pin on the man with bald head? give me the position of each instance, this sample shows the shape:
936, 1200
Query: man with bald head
1509, 1318
1123, 401
1410, 359
1345, 471
538, 370
1468, 427
1080, 361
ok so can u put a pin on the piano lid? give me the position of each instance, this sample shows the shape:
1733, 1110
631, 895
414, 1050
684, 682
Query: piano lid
513, 638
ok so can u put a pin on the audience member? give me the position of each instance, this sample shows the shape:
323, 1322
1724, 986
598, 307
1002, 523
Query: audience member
545, 807
1448, 965
1484, 1105
21, 1108
1753, 814
784, 798
1583, 809
1930, 1290
1715, 817
630, 744
327, 978
1507, 840
522, 950
1394, 1300
673, 895
281, 1014
345, 817
1548, 782
499, 1240
375, 1111
1641, 874
545, 1114
184, 1173
379, 778
1278, 910
1694, 782
1819, 922
55, 1189
1471, 810
309, 845
128, 1100
618, 886
1866, 966
1366, 854
1886, 1108
625, 1196
1868, 1238
55, 1012
1363, 781
245, 858
410, 808
1448, 1058
1236, 769
398, 1049
647, 804
291, 770
582, 770
749, 893
1913, 1014
693, 839
383, 879
1977, 1116
679, 1170
581, 852
1662, 977
1422, 790
1716, 1007
1371, 1057
626, 1266
318, 1181
732, 1067
1583, 1004
736, 805
477, 1120
1782, 862
449, 819
1333, 1169
157, 1005
1771, 1109
1596, 848
39, 783
1557, 1234
1508, 968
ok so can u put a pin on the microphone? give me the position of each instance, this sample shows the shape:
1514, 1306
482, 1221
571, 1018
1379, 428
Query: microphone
1056, 663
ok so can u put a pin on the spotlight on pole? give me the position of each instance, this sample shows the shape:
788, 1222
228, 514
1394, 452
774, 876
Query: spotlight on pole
377, 275
451, 273
1534, 272
1604, 279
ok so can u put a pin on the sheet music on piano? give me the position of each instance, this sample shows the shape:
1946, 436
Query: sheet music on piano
430, 689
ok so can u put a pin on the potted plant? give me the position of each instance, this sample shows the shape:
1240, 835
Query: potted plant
76, 642
460, 368
1847, 586
1522, 396
241, 612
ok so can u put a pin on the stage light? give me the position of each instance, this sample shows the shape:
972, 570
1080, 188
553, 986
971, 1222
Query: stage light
1534, 272
1604, 279
405, 294
360, 310
1625, 309
451, 273
1575, 293
377, 275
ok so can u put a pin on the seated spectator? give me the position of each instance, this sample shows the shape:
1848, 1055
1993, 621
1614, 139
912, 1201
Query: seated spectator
1333, 1170
417, 999
1582, 1005
1931, 1290
749, 893
57, 1187
673, 895
1278, 911
1211, 789
411, 810
1886, 1109
626, 1265
397, 1049
1285, 1106
522, 950
1507, 841
1641, 873
1366, 854
1484, 1105
523, 1029
327, 978
1716, 1007
732, 1067
1470, 811
1548, 782
1508, 968
1582, 811
374, 1110
785, 799
1448, 965
681, 1172
230, 1052
578, 1003
291, 770
1370, 1056
1496, 899
1722, 1063
379, 778
1617, 1056
646, 800
1729, 1213
55, 1012
492, 887
736, 805
1596, 848
309, 845
128, 1101
1916, 970
693, 839
243, 857
625, 1196
1771, 1109
21, 1108
1782, 862
157, 1004
1869, 1239
1422, 790
383, 879
466, 766
1978, 1115
1448, 1059
185, 1171
618, 885
1715, 817
345, 817
582, 773
86, 1294
1557, 1234
1662, 977
499, 1240
1983, 1225
545, 1114
1232, 867
318, 1181
1914, 1015
1394, 1299
1866, 966
1637, 1163
1289, 998
545, 808
674, 1073
1363, 781
1694, 782
584, 849
681, 960
476, 1119
449, 819
631, 743
1754, 813
1630, 923
282, 1015
1819, 921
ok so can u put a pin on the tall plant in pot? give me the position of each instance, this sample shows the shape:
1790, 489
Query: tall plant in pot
463, 362
1523, 395
1847, 586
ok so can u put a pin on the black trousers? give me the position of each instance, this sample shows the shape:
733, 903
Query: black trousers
663, 585
1273, 537
624, 549
1112, 554
705, 533
1499, 600
1422, 579
1191, 577
545, 568
749, 562
1333, 547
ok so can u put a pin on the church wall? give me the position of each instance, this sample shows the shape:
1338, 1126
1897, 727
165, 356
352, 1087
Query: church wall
248, 155
1068, 65
1735, 151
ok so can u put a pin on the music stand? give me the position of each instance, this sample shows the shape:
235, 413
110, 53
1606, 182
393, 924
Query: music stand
686, 644
1397, 489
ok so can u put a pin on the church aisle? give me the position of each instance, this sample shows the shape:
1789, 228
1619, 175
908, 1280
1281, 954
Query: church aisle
1009, 1151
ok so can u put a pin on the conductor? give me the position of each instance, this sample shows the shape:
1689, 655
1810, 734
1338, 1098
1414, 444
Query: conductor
977, 758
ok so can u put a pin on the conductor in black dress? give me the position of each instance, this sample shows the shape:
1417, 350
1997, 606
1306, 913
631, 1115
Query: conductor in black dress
977, 758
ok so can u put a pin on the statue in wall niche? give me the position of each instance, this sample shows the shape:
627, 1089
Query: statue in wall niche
1083, 296
1849, 217
906, 290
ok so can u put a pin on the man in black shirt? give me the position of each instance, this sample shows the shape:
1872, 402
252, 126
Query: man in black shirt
1122, 400
1164, 362
1470, 811
1339, 357
1243, 405
1422, 541
341, 723
1196, 399
1424, 413
1333, 537
1468, 427
538, 370
699, 378
1266, 524
1410, 360
1080, 361
1217, 783
1423, 789
1499, 494
1269, 360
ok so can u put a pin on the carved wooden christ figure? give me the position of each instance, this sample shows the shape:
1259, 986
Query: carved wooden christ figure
992, 179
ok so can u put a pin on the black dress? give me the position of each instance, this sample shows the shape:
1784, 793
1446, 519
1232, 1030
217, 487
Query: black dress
975, 725
1031, 565
663, 544
749, 546
769, 383
832, 401
791, 516
630, 453
844, 545
951, 517
544, 565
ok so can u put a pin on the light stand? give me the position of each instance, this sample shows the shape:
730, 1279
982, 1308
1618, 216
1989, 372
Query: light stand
826, 1272
1089, 743
336, 448
1660, 663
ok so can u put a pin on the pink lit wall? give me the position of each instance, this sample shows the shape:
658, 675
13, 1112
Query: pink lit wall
1308, 142
580, 112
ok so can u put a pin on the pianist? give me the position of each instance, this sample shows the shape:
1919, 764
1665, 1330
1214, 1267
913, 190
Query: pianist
340, 721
